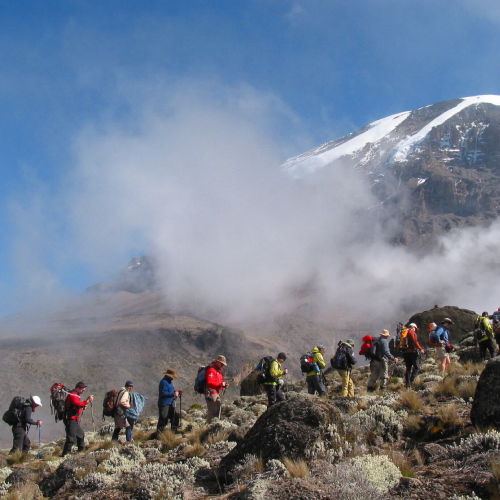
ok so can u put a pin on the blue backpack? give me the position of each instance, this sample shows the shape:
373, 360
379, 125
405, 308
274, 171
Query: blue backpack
139, 402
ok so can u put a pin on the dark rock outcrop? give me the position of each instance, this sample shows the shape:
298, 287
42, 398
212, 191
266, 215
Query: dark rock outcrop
27, 475
65, 473
485, 411
463, 322
250, 386
297, 428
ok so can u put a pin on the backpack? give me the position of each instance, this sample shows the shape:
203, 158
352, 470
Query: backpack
264, 366
13, 415
339, 360
109, 403
58, 395
372, 352
200, 382
307, 362
402, 337
433, 338
365, 348
139, 402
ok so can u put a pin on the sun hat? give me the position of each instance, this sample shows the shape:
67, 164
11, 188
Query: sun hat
385, 333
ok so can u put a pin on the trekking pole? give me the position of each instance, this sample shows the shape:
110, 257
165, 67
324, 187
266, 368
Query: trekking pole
92, 413
180, 408
286, 383
39, 456
220, 397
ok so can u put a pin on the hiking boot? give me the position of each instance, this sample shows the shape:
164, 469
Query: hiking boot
66, 450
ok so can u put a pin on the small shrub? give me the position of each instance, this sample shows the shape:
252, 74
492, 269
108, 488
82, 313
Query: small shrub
195, 407
411, 401
141, 435
217, 437
259, 465
472, 369
196, 435
194, 450
413, 424
27, 491
169, 439
447, 387
296, 468
102, 445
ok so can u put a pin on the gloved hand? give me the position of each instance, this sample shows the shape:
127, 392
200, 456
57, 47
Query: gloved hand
39, 423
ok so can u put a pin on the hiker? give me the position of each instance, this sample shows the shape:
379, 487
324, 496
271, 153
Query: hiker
273, 385
411, 355
379, 363
133, 412
443, 337
484, 336
74, 410
166, 395
346, 351
314, 378
123, 403
496, 328
215, 384
21, 440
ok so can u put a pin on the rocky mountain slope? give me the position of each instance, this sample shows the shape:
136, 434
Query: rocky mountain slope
435, 168
415, 444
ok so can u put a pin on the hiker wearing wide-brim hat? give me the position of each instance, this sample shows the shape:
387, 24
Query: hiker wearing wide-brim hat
442, 336
215, 384
379, 362
166, 396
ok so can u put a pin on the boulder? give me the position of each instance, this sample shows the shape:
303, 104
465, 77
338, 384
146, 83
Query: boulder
485, 412
26, 475
463, 322
65, 473
297, 428
249, 385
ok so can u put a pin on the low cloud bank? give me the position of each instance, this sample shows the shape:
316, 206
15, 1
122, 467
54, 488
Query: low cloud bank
194, 181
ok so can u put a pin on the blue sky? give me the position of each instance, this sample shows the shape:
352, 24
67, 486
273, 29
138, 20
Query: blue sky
326, 68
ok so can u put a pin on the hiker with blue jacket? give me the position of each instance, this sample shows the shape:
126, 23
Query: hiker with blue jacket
166, 395
442, 336
379, 363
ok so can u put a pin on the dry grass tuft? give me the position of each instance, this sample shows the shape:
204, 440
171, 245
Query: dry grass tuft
17, 458
194, 450
467, 389
27, 491
196, 435
413, 424
259, 465
448, 414
417, 457
495, 468
472, 369
447, 387
411, 401
169, 439
401, 462
101, 445
217, 437
141, 436
296, 468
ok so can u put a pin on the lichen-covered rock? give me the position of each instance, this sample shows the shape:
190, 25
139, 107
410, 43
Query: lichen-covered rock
485, 412
26, 474
65, 473
297, 428
249, 385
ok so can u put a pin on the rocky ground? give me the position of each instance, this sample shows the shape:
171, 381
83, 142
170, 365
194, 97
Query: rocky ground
395, 444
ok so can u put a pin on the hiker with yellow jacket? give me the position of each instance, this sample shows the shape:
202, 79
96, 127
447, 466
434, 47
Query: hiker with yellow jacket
314, 378
273, 385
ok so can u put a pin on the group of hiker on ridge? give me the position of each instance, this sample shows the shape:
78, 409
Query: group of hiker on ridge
125, 406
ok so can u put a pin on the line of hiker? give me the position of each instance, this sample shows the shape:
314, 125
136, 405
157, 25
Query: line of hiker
486, 330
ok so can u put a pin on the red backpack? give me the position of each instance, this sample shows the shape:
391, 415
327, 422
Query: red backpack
367, 343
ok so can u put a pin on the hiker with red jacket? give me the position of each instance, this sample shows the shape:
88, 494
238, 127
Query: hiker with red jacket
215, 384
411, 355
20, 430
74, 410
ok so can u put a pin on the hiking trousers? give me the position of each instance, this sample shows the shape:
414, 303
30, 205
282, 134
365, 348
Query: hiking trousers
274, 393
74, 434
347, 383
412, 362
484, 346
379, 370
165, 413
315, 384
130, 429
21, 440
213, 407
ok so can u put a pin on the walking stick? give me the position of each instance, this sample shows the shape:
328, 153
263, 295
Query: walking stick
180, 408
92, 413
39, 442
220, 397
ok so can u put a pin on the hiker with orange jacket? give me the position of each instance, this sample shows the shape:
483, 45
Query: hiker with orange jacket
74, 410
411, 355
215, 384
